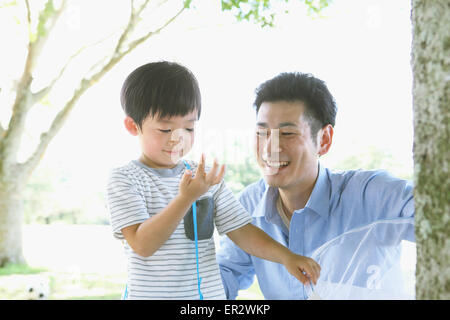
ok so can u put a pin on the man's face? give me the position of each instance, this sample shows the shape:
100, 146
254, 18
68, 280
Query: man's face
164, 140
285, 150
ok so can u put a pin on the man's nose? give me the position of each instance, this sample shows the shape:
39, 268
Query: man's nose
272, 143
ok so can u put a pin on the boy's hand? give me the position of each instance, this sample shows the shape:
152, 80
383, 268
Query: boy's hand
194, 187
303, 268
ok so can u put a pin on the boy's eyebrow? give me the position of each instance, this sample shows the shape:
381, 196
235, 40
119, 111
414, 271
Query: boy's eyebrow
170, 121
281, 125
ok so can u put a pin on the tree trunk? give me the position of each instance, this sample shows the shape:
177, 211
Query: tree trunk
10, 223
431, 96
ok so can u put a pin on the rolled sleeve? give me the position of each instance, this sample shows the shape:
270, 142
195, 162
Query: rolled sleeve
387, 196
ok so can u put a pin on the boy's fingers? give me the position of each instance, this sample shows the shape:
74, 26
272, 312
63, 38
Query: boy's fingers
201, 166
218, 178
221, 174
212, 174
186, 176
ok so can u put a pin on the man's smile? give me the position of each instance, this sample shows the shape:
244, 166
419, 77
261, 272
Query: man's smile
276, 164
274, 167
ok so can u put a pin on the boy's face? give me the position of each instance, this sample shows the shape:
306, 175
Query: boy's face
164, 141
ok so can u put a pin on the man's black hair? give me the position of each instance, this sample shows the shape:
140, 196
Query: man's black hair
320, 107
162, 89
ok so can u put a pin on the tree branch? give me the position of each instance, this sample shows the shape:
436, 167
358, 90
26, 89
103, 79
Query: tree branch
128, 29
2, 130
142, 7
47, 20
132, 21
27, 3
10, 143
138, 41
37, 96
29, 165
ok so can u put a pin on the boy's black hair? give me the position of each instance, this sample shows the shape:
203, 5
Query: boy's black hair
162, 89
295, 86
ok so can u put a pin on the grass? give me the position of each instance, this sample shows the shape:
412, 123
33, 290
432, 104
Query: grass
63, 286
80, 262
252, 293
11, 269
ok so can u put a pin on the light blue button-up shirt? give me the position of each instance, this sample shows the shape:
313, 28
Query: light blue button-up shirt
340, 201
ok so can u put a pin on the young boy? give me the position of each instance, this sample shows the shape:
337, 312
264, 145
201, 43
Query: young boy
151, 199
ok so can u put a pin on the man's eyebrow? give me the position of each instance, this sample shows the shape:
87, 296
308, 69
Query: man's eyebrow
287, 124
281, 125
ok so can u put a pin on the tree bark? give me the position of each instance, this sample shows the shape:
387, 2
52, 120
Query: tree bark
431, 99
10, 223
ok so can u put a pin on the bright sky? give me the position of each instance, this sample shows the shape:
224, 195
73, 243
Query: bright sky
360, 48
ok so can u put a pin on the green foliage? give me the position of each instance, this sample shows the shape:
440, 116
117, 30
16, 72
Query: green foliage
373, 158
242, 174
317, 5
260, 11
4, 4
54, 195
44, 15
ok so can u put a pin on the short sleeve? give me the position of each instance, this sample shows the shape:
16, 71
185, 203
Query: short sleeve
125, 204
229, 212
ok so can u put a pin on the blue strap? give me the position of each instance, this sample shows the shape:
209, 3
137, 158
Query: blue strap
194, 216
125, 294
199, 280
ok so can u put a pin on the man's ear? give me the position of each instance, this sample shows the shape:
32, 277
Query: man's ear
325, 139
131, 126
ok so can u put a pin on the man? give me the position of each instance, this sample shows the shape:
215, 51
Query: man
299, 202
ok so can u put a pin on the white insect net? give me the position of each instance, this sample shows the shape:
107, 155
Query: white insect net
376, 261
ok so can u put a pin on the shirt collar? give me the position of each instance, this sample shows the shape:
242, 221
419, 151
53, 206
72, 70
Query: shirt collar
162, 172
267, 206
319, 200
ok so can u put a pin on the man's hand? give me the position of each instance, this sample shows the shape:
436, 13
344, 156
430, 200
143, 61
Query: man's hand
194, 187
303, 268
256, 242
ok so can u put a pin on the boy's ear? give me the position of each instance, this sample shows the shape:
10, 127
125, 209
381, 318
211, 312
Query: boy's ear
131, 126
326, 138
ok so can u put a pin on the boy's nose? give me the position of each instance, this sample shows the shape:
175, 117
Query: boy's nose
176, 136
179, 137
176, 141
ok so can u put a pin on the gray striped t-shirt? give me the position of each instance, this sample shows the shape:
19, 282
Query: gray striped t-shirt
135, 193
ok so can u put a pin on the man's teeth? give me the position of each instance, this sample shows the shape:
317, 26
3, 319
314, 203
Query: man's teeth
277, 164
